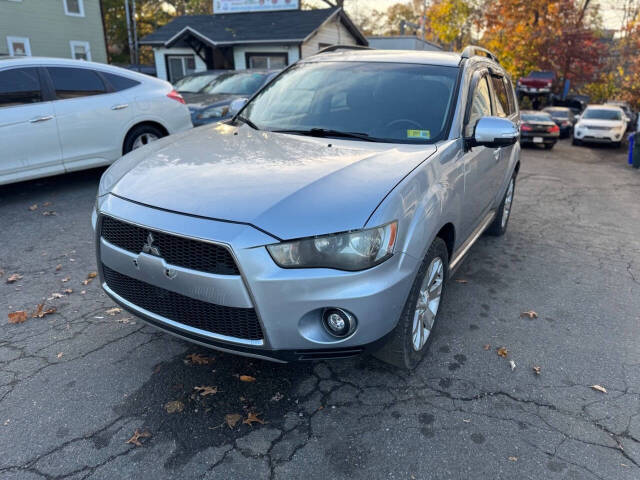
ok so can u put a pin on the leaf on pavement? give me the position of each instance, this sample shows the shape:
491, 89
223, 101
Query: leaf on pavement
247, 378
41, 312
18, 317
205, 390
113, 311
59, 355
33, 207
599, 388
65, 279
513, 459
530, 314
232, 419
14, 277
253, 418
49, 213
537, 369
198, 359
503, 352
46, 204
55, 295
135, 439
90, 277
487, 346
58, 267
512, 364
67, 291
174, 407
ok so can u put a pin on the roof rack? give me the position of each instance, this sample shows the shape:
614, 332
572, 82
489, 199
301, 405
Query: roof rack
334, 48
474, 50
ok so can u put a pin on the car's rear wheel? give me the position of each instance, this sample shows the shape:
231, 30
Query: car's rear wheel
412, 336
140, 136
549, 146
499, 225
575, 141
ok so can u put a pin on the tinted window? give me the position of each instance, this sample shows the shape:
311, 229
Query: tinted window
558, 113
536, 117
480, 105
385, 101
236, 83
75, 82
119, 83
502, 104
512, 99
194, 83
598, 114
19, 86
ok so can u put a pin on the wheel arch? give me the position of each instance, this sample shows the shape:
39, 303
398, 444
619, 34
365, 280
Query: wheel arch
150, 123
448, 234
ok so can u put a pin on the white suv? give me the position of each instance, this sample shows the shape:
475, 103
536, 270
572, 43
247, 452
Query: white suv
600, 124
60, 115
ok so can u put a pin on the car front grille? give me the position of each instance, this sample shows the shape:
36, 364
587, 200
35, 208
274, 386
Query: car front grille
230, 321
597, 127
176, 250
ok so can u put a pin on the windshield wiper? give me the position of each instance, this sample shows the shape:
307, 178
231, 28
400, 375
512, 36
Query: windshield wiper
324, 132
247, 121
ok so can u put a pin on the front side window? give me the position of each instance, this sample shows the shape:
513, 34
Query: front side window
236, 84
502, 101
74, 8
75, 82
394, 102
480, 105
19, 86
80, 50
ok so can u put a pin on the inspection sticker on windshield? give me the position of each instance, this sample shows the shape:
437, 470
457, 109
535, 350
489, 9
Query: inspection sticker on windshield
424, 134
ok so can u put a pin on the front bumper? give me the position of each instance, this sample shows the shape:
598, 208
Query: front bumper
288, 302
598, 136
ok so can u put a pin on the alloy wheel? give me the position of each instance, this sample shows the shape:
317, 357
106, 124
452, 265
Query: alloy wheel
143, 139
508, 199
428, 303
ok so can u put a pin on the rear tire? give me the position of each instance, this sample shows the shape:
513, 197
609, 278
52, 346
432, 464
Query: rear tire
575, 141
617, 145
499, 225
408, 344
140, 136
548, 146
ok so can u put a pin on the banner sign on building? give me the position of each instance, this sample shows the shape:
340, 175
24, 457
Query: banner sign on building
236, 6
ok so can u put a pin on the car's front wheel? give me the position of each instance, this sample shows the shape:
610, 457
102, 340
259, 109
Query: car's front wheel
413, 334
140, 136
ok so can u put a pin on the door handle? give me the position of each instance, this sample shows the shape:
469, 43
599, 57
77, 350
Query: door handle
120, 107
41, 119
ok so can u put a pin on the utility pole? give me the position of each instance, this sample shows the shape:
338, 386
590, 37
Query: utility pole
129, 37
134, 21
423, 20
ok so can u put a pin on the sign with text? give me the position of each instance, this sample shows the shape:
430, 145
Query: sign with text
237, 6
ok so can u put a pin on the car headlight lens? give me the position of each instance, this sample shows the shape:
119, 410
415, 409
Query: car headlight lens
351, 251
213, 112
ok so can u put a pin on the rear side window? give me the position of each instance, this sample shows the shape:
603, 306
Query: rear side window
502, 101
512, 98
480, 105
75, 82
118, 82
19, 86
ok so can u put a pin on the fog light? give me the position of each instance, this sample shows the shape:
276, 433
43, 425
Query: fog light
338, 322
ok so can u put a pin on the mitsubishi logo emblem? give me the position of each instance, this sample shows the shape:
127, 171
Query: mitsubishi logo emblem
149, 248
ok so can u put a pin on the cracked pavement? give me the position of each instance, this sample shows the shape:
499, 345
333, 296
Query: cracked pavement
76, 384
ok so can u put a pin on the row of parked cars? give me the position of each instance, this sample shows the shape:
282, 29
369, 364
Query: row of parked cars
606, 123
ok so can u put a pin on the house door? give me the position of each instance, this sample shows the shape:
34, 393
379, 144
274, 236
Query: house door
179, 65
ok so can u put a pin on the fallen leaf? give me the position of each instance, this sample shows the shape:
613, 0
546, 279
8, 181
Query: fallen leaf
253, 418
513, 365
46, 204
537, 369
135, 439
232, 419
14, 277
530, 314
247, 378
17, 317
599, 388
113, 311
33, 207
65, 279
513, 459
206, 390
90, 277
82, 292
41, 312
487, 346
58, 267
462, 280
174, 407
502, 352
67, 291
49, 213
197, 359
126, 320
466, 420
59, 355
55, 295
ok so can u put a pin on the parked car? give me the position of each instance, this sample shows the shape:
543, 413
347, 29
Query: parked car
600, 124
212, 103
630, 116
538, 128
564, 119
60, 115
193, 84
326, 217
537, 82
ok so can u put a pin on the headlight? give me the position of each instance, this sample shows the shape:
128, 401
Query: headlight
213, 112
350, 251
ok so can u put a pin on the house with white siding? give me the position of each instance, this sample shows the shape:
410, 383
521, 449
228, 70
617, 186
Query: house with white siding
263, 39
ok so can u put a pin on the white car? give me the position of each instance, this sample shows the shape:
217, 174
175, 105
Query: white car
600, 124
60, 115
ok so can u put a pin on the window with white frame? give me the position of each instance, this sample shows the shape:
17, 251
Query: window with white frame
19, 46
80, 50
75, 8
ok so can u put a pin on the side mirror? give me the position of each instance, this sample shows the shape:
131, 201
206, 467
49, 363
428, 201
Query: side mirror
236, 105
494, 132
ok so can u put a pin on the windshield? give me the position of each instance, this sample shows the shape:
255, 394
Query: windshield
237, 83
536, 117
601, 114
195, 83
545, 75
393, 102
559, 113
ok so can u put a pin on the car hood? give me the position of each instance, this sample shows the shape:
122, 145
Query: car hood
594, 122
198, 101
291, 186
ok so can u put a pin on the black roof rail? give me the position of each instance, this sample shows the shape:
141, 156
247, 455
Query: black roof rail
473, 50
333, 48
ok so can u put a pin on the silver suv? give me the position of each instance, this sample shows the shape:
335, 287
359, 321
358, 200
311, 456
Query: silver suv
325, 218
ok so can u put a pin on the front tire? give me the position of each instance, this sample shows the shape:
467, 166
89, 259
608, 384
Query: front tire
411, 337
499, 225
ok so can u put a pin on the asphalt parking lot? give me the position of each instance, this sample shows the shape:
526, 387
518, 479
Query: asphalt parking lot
77, 383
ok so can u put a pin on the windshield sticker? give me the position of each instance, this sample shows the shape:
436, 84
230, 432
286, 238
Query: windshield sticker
423, 134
